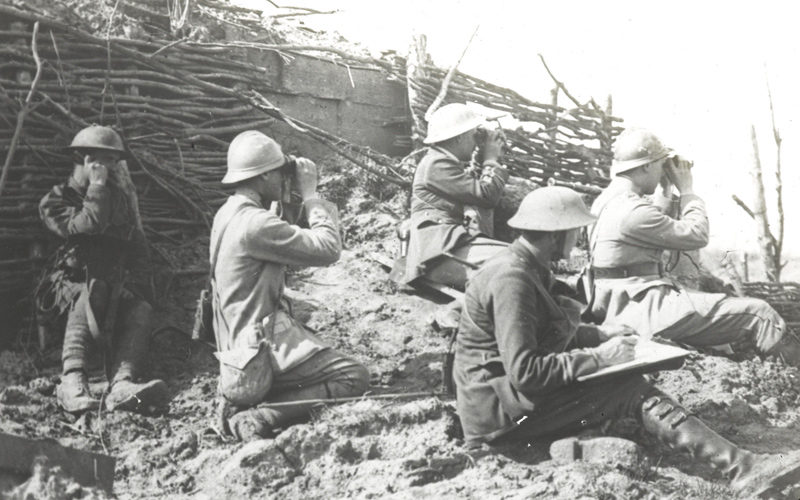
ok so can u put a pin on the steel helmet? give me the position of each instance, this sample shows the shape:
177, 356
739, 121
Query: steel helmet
252, 153
551, 208
636, 147
97, 137
450, 121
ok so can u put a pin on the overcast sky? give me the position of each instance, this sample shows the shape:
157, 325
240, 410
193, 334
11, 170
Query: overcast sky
693, 72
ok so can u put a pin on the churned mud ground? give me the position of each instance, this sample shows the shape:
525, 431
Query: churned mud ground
403, 448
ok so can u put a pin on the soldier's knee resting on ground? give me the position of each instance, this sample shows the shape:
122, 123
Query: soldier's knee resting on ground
352, 380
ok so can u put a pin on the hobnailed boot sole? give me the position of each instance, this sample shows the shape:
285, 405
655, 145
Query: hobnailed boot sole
152, 394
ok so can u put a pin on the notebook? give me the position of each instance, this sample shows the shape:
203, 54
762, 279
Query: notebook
650, 357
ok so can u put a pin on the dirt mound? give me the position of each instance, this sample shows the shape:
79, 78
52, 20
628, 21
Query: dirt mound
50, 483
394, 448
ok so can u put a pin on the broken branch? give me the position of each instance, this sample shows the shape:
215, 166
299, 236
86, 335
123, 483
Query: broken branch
24, 110
558, 83
448, 77
743, 206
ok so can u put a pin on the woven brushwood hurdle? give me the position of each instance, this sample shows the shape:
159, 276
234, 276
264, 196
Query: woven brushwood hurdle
783, 297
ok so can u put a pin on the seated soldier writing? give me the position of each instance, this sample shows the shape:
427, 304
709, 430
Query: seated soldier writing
519, 354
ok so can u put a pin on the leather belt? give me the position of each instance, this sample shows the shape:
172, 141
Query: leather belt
476, 356
640, 269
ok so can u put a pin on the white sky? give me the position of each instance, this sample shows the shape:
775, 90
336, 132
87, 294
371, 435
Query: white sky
691, 71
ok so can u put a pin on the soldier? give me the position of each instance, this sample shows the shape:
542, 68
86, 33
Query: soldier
251, 245
102, 276
519, 352
628, 241
442, 187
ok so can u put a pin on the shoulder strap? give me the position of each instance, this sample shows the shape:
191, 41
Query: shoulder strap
594, 237
219, 244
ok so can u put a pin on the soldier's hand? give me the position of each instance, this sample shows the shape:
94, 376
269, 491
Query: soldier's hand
306, 178
666, 184
610, 331
98, 173
493, 147
679, 172
616, 350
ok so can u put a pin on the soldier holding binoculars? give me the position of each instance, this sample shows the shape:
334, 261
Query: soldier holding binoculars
630, 236
441, 248
266, 356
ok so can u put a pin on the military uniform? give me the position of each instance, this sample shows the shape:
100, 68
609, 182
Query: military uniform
249, 275
440, 190
519, 352
105, 248
628, 241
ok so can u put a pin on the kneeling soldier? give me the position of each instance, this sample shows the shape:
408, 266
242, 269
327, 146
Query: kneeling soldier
519, 354
268, 359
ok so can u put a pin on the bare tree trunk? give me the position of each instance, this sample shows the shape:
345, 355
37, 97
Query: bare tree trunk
415, 62
765, 239
778, 188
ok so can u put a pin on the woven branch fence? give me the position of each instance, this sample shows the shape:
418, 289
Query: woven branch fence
178, 105
553, 144
783, 297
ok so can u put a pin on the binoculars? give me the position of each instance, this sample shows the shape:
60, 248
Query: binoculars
289, 166
674, 159
482, 135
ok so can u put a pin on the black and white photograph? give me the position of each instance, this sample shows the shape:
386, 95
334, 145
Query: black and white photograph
335, 249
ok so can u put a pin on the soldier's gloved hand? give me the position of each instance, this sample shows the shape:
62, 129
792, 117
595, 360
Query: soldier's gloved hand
679, 172
493, 147
608, 331
616, 350
98, 173
306, 178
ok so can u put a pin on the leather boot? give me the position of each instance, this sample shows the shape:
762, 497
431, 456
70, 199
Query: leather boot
73, 393
787, 349
146, 397
133, 338
131, 346
252, 424
752, 475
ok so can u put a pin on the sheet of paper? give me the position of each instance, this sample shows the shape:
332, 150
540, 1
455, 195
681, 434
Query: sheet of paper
647, 353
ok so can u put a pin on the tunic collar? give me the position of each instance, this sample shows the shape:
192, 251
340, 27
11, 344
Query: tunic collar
523, 250
249, 195
446, 153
